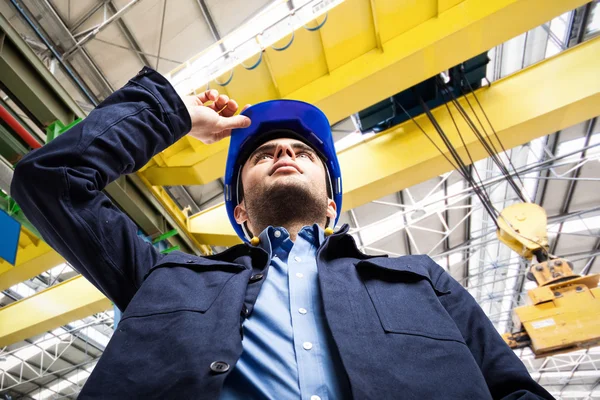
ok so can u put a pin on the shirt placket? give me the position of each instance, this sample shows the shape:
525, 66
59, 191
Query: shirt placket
302, 272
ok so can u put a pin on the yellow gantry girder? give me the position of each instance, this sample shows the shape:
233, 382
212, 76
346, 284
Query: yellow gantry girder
366, 51
70, 300
34, 256
552, 95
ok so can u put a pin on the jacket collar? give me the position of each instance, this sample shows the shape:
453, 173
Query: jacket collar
342, 245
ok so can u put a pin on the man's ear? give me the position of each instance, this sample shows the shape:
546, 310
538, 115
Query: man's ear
331, 209
240, 214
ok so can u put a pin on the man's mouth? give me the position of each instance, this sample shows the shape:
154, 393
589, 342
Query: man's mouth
286, 167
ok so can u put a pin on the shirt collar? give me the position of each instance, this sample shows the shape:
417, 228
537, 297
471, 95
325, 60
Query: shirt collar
272, 238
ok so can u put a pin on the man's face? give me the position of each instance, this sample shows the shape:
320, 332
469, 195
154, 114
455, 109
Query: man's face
279, 167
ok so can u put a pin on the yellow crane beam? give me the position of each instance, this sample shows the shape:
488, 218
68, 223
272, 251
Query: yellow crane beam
68, 301
34, 256
551, 95
344, 67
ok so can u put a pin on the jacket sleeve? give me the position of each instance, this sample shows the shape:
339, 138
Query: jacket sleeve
59, 186
506, 376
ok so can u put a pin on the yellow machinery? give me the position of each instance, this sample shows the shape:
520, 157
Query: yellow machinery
564, 310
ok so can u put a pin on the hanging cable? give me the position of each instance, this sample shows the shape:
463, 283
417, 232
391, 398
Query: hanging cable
458, 169
464, 78
506, 174
489, 148
461, 169
464, 172
472, 162
427, 136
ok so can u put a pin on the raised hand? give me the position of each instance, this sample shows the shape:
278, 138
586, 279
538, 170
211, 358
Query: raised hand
213, 122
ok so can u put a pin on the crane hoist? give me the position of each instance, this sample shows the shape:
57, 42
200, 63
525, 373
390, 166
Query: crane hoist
563, 313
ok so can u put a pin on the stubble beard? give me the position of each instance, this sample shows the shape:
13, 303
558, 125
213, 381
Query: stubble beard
290, 204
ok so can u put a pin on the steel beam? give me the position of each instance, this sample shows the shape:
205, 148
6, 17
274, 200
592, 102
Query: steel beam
522, 107
419, 40
25, 77
82, 20
129, 36
68, 301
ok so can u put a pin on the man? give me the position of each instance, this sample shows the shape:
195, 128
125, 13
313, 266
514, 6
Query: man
298, 312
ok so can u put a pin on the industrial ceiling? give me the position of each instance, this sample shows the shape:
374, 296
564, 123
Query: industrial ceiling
543, 90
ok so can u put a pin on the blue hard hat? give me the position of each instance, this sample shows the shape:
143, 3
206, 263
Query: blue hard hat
285, 118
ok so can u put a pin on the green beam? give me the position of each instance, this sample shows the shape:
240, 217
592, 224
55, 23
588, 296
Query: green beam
170, 249
165, 235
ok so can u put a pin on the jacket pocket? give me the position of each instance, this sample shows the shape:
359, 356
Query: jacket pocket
405, 299
180, 282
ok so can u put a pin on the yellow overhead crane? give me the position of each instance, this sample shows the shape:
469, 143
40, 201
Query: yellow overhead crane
564, 310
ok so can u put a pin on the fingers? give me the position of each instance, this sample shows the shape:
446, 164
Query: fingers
230, 108
209, 95
220, 103
234, 122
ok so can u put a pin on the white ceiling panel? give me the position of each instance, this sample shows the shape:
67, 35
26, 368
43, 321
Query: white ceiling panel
118, 64
230, 14
71, 11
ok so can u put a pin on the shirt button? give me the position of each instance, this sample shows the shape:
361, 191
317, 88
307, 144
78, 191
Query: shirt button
245, 312
307, 345
302, 310
298, 259
299, 274
256, 277
219, 367
277, 234
189, 261
315, 398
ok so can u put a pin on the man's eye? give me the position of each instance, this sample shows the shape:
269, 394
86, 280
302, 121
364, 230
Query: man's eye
305, 155
263, 156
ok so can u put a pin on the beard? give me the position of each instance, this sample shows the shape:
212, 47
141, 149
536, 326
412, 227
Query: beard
291, 203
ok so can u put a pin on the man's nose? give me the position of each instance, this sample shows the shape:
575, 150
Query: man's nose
284, 150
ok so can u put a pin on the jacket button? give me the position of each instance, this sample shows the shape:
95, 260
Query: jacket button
256, 277
219, 367
245, 312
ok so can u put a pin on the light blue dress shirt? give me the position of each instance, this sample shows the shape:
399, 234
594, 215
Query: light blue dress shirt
288, 350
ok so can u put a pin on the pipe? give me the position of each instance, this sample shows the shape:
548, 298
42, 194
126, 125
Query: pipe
68, 70
18, 128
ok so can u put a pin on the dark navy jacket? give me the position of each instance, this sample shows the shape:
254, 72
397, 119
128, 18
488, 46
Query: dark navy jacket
403, 327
